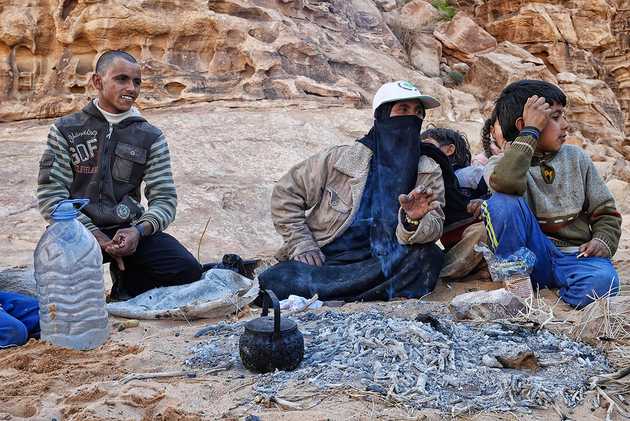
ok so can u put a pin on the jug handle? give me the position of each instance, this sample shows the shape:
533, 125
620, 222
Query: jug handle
82, 202
268, 295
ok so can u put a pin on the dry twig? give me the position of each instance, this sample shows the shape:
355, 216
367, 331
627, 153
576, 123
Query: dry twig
205, 228
607, 324
145, 376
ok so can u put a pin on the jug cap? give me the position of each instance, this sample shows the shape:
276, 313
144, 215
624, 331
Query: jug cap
66, 209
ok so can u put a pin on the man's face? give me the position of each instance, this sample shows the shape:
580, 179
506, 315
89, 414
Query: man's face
119, 87
554, 134
410, 107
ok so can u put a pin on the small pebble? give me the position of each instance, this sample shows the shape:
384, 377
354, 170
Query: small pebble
376, 388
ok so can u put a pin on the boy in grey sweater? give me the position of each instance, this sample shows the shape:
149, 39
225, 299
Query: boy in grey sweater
549, 198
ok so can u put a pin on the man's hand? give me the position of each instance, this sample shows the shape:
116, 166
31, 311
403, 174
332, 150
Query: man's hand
594, 248
124, 243
313, 258
474, 207
418, 203
105, 242
536, 112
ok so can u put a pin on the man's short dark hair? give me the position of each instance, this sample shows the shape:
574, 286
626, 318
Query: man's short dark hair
511, 102
108, 57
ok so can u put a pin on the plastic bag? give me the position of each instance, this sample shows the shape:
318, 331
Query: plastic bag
513, 271
502, 269
218, 293
296, 303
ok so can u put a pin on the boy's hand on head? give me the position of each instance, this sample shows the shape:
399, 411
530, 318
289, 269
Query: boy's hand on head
594, 248
419, 202
536, 112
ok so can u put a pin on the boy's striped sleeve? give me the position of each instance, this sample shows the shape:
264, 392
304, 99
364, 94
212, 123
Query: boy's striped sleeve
56, 176
159, 187
510, 173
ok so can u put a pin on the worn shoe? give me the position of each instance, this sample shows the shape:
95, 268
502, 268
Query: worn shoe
118, 292
235, 263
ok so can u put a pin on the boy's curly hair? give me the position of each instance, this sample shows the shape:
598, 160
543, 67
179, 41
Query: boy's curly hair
511, 102
486, 136
462, 156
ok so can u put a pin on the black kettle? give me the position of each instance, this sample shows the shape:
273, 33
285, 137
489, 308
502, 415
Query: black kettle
271, 343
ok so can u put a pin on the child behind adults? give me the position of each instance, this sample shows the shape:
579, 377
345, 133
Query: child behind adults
468, 170
19, 319
462, 229
549, 198
360, 221
492, 139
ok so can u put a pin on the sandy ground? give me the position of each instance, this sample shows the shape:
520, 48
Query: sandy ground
226, 179
42, 382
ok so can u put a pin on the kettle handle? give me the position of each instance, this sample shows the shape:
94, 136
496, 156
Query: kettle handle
268, 295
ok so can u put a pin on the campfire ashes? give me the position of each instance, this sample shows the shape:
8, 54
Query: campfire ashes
449, 366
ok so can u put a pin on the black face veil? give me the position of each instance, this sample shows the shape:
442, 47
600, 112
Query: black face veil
396, 147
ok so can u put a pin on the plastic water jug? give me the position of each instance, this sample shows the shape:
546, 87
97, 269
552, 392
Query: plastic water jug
70, 287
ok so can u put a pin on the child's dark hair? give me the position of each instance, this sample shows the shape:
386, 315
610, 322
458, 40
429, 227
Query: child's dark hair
486, 137
511, 102
462, 156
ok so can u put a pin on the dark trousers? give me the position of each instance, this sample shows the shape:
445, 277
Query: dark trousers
19, 318
160, 260
351, 278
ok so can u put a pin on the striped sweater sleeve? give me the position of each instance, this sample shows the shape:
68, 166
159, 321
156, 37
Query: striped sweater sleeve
55, 177
510, 173
159, 187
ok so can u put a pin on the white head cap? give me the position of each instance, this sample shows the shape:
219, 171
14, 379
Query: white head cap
400, 91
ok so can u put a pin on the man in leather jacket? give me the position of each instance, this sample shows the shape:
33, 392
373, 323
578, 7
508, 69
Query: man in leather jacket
104, 153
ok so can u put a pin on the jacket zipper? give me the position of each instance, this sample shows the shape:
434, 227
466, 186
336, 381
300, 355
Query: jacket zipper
104, 162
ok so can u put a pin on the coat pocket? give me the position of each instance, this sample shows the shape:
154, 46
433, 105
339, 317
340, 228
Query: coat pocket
336, 203
45, 166
129, 163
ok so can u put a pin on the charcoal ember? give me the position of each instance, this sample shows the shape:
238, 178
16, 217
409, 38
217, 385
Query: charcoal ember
486, 305
434, 323
376, 388
519, 357
491, 361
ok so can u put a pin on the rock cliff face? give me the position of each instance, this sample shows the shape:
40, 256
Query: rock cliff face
617, 59
192, 50
335, 51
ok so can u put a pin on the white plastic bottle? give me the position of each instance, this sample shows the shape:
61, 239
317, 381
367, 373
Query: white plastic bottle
70, 287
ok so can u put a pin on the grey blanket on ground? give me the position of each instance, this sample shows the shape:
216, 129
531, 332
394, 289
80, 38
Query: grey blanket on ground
218, 293
18, 279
